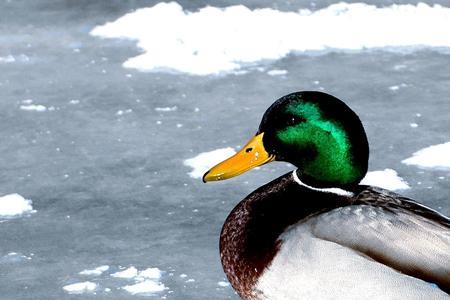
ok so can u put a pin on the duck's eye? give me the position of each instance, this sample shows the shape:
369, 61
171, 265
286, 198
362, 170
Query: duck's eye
295, 120
248, 149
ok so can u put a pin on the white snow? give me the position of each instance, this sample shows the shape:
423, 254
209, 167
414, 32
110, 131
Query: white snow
436, 156
80, 287
95, 272
146, 281
277, 72
7, 59
33, 107
129, 273
15, 257
14, 205
205, 160
213, 39
387, 179
150, 273
147, 286
394, 88
223, 284
122, 112
166, 109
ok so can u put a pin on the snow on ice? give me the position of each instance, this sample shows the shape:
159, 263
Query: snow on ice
13, 205
236, 35
436, 156
387, 179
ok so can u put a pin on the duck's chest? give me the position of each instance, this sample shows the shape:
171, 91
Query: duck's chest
250, 237
307, 267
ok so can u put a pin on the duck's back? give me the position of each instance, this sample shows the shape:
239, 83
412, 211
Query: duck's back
285, 241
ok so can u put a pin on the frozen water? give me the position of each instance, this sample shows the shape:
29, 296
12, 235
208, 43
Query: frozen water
223, 284
95, 272
387, 179
80, 287
436, 156
14, 257
237, 35
145, 287
276, 72
33, 107
131, 272
114, 190
166, 109
13, 205
150, 273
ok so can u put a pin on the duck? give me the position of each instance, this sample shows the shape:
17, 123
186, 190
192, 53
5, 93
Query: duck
316, 232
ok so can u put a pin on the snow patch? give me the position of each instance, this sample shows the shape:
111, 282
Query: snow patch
276, 72
146, 281
7, 59
166, 109
150, 273
80, 287
205, 160
387, 179
436, 156
223, 284
13, 205
13, 257
147, 286
123, 112
33, 107
11, 58
95, 272
394, 88
129, 273
213, 39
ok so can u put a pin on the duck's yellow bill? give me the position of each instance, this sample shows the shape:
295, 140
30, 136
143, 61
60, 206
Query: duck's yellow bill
251, 155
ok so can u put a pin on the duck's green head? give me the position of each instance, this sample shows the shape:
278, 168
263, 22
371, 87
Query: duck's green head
314, 131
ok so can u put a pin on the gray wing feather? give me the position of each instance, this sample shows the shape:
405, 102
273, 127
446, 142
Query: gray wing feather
393, 230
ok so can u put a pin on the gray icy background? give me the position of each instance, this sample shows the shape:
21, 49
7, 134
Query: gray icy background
112, 189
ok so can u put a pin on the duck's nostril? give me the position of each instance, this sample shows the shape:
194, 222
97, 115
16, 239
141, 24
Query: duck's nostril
248, 149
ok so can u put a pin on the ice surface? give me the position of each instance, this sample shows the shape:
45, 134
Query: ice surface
80, 287
97, 271
7, 59
437, 156
13, 257
150, 273
223, 284
166, 109
214, 40
147, 286
277, 72
387, 179
13, 205
146, 281
131, 272
33, 107
204, 161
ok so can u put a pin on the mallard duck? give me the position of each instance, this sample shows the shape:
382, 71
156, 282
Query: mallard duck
315, 233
